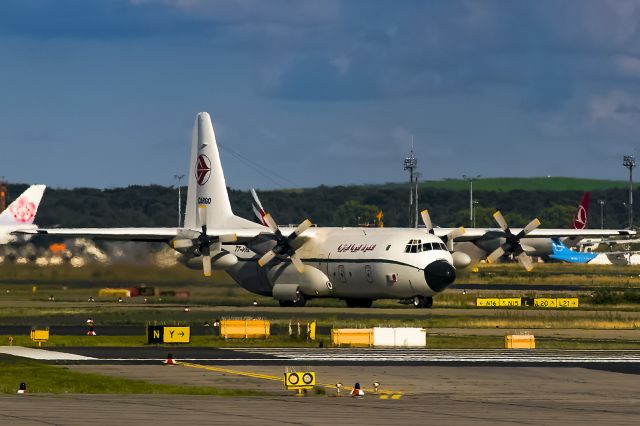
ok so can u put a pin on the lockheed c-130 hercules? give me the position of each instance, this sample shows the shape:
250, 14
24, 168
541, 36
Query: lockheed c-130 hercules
295, 264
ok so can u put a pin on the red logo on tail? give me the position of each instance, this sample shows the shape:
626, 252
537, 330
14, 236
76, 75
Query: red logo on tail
580, 219
23, 210
203, 169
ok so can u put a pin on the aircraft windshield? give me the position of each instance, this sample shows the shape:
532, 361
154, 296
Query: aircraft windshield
417, 246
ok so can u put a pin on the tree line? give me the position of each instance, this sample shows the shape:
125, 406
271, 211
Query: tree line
157, 206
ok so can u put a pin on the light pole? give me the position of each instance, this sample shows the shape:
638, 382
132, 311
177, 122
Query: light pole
629, 161
470, 179
602, 203
179, 178
475, 206
411, 164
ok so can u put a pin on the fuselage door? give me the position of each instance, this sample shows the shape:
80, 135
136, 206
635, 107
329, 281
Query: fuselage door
368, 272
341, 274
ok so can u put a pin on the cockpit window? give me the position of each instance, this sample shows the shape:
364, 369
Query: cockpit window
414, 246
417, 246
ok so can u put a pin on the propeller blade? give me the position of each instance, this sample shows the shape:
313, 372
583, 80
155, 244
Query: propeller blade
525, 260
266, 258
257, 200
297, 263
500, 219
271, 223
228, 238
202, 214
531, 226
426, 219
182, 243
258, 214
215, 247
300, 229
206, 265
495, 255
453, 235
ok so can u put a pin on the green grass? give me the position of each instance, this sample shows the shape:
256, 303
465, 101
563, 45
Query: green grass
44, 378
137, 341
528, 184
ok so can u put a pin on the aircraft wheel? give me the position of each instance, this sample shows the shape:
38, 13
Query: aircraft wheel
286, 303
422, 302
300, 302
359, 303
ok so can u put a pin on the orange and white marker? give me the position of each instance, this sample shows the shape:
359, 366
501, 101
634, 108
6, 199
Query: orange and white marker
169, 360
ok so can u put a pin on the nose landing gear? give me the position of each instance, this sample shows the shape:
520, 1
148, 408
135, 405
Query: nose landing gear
422, 302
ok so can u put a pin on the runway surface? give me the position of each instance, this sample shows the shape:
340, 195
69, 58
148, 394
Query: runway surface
627, 361
476, 395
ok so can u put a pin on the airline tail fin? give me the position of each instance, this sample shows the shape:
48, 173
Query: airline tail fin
207, 185
580, 218
24, 208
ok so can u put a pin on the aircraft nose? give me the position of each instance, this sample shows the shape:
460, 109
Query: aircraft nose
439, 275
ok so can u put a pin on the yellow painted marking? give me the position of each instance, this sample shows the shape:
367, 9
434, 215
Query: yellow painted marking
230, 371
369, 391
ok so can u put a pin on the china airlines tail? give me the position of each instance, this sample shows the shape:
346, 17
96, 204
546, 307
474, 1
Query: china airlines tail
580, 219
207, 186
23, 210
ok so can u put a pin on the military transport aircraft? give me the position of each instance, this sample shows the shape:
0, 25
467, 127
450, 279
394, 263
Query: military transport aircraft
20, 214
295, 264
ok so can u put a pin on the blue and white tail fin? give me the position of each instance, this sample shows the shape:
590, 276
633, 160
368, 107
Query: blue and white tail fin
207, 185
24, 208
562, 253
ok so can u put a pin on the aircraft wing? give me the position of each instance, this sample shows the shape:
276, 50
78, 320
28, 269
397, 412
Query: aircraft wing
475, 234
137, 234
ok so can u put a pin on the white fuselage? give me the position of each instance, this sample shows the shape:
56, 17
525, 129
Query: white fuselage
355, 262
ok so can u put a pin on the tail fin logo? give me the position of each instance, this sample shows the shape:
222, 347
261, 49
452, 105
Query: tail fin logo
23, 210
581, 218
203, 169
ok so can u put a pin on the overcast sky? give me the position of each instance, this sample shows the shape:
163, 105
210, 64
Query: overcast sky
303, 93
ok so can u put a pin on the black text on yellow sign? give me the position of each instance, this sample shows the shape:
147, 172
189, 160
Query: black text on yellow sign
168, 334
176, 334
300, 380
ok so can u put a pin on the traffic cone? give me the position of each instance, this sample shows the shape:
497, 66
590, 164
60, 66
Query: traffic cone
357, 392
169, 360
23, 388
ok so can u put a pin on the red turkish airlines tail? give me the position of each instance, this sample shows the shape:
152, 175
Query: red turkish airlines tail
580, 219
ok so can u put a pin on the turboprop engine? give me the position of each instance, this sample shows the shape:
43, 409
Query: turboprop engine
460, 259
292, 287
220, 261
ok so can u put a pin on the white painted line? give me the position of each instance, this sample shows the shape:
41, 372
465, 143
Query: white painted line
42, 354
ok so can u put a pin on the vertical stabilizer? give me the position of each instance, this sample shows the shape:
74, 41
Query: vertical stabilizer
23, 210
580, 219
207, 185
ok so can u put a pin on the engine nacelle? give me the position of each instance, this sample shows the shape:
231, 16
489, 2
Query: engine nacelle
221, 261
287, 280
460, 259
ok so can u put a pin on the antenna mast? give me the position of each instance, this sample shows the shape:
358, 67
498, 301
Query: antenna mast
411, 164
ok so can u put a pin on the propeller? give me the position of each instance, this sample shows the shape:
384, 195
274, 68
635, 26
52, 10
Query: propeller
204, 244
512, 244
448, 239
426, 219
258, 210
283, 245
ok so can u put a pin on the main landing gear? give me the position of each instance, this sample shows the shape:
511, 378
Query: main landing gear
422, 302
359, 303
298, 303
